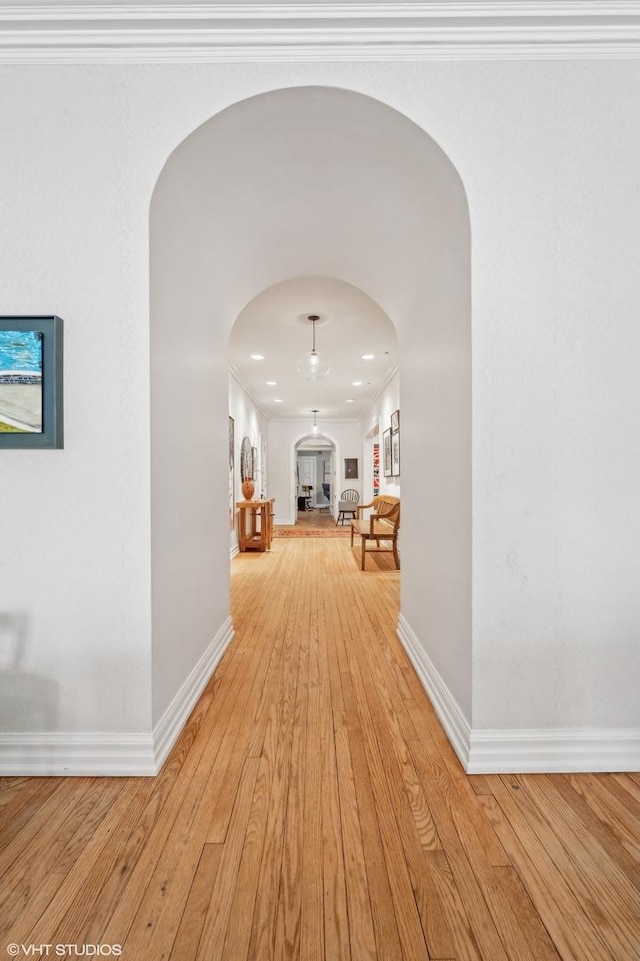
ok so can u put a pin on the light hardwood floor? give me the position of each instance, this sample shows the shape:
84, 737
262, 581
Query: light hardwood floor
313, 809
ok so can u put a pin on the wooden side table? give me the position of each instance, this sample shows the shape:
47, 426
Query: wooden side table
255, 524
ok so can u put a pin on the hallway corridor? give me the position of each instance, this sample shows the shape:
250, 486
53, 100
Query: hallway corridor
313, 809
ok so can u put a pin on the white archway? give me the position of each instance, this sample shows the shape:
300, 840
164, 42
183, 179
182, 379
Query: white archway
229, 217
295, 448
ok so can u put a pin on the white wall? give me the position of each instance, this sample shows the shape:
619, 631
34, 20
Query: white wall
350, 438
556, 403
75, 526
283, 437
375, 422
548, 154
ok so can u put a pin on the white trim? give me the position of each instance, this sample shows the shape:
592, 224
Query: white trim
111, 755
520, 751
236, 376
539, 751
370, 407
168, 728
75, 755
445, 705
146, 32
301, 10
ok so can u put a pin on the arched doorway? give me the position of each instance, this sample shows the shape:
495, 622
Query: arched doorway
270, 337
302, 182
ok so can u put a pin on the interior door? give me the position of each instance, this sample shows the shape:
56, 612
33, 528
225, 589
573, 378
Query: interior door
327, 480
307, 474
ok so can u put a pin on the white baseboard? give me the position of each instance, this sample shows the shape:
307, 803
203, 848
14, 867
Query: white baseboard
545, 751
111, 755
76, 755
535, 751
169, 726
445, 705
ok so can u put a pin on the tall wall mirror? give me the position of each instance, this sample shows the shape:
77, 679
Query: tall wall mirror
246, 460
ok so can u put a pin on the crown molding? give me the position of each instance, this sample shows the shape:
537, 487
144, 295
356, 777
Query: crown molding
233, 372
371, 406
145, 32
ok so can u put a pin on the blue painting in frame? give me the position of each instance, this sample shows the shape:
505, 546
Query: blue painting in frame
31, 409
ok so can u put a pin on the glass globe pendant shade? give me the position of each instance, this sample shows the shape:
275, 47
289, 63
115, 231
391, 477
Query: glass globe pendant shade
312, 366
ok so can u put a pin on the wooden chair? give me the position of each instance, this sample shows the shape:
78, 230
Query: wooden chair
382, 525
347, 504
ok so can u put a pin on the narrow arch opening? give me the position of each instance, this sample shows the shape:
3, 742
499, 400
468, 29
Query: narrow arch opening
247, 200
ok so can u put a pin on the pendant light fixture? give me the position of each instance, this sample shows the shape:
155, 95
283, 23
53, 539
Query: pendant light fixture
312, 366
315, 424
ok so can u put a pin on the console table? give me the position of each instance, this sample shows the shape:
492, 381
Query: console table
255, 524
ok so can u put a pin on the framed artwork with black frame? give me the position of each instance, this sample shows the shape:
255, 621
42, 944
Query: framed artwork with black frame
395, 421
395, 453
386, 453
31, 385
351, 468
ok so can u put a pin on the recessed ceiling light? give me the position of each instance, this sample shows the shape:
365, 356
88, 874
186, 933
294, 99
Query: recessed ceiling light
356, 383
367, 357
349, 400
277, 400
272, 383
257, 357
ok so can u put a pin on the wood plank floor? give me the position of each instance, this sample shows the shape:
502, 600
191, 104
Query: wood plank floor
313, 809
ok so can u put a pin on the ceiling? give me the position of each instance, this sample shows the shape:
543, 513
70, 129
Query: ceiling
275, 325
